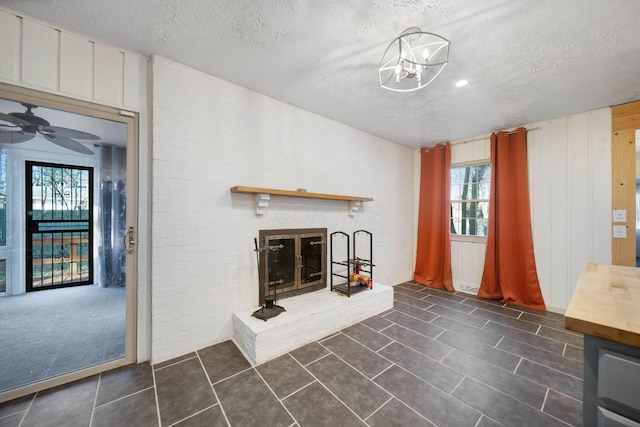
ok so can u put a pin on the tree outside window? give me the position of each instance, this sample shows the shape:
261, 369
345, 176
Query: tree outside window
470, 187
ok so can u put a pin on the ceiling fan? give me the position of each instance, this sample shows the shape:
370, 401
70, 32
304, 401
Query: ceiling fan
27, 125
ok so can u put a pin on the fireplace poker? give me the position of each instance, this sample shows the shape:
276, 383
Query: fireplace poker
268, 301
257, 251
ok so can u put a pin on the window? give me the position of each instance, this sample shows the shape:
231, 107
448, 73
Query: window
470, 200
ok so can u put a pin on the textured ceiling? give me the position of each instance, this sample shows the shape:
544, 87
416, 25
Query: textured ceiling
525, 60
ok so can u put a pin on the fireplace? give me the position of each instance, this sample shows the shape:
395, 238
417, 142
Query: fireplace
292, 261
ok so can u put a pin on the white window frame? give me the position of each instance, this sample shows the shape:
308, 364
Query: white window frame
463, 237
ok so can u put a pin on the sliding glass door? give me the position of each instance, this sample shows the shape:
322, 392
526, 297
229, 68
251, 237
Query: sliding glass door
68, 195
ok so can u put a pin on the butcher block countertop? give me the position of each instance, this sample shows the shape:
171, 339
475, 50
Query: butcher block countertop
606, 304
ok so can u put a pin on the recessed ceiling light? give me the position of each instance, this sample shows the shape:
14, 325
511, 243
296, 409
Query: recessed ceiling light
461, 83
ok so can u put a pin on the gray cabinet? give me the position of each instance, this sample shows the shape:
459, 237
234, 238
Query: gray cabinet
611, 384
611, 419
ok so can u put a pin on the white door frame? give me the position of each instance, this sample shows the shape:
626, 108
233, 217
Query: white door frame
131, 120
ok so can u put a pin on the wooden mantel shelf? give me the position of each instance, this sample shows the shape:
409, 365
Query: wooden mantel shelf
289, 193
263, 196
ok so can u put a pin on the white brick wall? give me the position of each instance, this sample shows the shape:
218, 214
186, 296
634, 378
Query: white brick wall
209, 135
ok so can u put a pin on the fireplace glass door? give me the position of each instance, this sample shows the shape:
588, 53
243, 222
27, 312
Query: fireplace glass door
311, 256
281, 264
293, 261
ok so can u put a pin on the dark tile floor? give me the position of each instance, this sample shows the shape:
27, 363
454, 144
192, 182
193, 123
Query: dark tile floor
436, 358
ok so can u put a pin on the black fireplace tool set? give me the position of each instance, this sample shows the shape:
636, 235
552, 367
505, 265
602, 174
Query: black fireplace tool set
269, 309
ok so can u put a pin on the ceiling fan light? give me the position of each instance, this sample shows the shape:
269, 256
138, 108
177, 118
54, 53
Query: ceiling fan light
31, 125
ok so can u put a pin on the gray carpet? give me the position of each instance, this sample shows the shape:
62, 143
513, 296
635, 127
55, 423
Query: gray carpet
48, 333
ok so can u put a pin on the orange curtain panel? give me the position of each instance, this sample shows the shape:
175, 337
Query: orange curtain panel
510, 268
433, 255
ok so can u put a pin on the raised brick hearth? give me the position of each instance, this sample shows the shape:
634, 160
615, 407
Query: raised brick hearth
307, 318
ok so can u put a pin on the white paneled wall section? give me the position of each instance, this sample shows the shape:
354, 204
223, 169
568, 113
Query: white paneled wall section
570, 191
42, 57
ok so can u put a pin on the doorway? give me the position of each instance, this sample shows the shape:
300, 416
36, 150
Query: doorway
68, 194
624, 171
59, 241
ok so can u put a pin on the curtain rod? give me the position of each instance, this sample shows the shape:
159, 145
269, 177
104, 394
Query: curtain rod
478, 138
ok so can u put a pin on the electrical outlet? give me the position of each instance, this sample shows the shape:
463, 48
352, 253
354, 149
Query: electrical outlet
619, 232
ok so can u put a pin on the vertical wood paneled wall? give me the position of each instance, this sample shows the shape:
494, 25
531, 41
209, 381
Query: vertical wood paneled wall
625, 120
39, 56
570, 191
